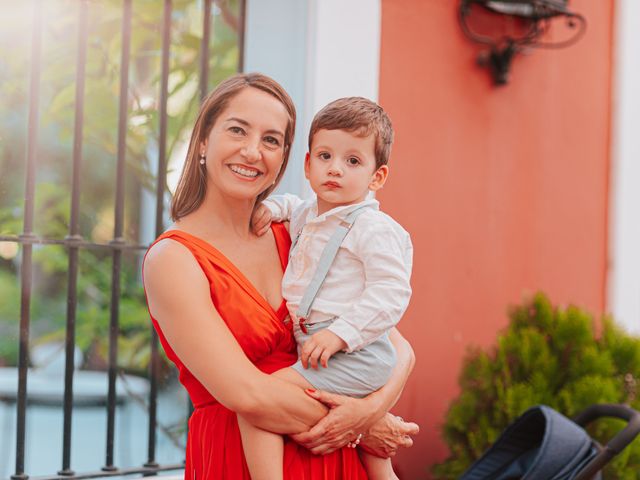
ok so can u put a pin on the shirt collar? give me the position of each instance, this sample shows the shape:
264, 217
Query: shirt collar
340, 212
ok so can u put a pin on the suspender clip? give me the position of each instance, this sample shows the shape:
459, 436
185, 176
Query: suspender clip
303, 325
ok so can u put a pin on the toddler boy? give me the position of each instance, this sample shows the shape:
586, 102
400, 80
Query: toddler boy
347, 281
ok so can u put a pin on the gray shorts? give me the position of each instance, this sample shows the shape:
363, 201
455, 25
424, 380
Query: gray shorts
354, 374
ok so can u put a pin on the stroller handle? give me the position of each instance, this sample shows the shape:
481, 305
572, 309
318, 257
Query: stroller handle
623, 412
617, 443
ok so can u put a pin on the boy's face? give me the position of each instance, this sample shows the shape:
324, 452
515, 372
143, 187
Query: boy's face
341, 168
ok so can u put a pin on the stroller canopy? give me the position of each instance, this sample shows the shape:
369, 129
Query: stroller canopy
542, 444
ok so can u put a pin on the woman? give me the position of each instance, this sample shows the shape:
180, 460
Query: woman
213, 290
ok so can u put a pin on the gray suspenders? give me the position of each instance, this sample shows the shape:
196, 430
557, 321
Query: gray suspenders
324, 263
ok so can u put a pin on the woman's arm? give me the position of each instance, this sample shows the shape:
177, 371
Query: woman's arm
179, 299
349, 416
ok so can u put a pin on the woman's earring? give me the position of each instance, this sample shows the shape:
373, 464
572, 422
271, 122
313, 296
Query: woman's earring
202, 158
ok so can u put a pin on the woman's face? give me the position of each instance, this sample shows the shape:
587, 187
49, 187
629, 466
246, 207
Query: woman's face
245, 147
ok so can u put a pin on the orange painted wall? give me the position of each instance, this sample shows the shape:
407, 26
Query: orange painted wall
504, 190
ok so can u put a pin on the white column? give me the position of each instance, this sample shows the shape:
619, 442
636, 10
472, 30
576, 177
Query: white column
343, 48
624, 272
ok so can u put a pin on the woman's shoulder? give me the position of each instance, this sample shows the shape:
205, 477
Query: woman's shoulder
168, 255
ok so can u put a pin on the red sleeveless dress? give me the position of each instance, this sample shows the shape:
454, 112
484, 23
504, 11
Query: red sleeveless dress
214, 446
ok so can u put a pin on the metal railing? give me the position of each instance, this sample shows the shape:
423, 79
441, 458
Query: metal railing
74, 242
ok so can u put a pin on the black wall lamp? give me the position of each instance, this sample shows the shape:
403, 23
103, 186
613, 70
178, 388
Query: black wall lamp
535, 17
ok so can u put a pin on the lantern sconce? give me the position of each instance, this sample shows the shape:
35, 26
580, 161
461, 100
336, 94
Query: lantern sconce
534, 17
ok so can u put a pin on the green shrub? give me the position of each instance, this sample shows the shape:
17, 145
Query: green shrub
549, 356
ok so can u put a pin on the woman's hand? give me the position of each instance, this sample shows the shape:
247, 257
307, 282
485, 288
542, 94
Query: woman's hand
388, 434
347, 418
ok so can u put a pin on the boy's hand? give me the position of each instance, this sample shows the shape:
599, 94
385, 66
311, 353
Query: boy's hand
261, 220
321, 346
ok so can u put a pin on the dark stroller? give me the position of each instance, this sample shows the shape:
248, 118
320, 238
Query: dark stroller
543, 444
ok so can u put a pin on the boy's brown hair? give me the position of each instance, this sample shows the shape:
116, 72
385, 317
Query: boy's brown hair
360, 116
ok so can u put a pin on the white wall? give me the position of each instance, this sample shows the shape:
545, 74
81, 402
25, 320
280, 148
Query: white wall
624, 271
343, 50
319, 50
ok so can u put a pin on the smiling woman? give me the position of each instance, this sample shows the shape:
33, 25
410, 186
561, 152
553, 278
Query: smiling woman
243, 132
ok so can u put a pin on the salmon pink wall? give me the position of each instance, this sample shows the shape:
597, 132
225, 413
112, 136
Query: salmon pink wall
504, 190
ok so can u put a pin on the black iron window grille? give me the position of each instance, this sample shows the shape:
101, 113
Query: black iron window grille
208, 68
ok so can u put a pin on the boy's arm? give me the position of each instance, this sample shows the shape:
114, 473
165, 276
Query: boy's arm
282, 206
386, 257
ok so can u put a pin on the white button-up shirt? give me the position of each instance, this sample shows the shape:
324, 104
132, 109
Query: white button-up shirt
367, 288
